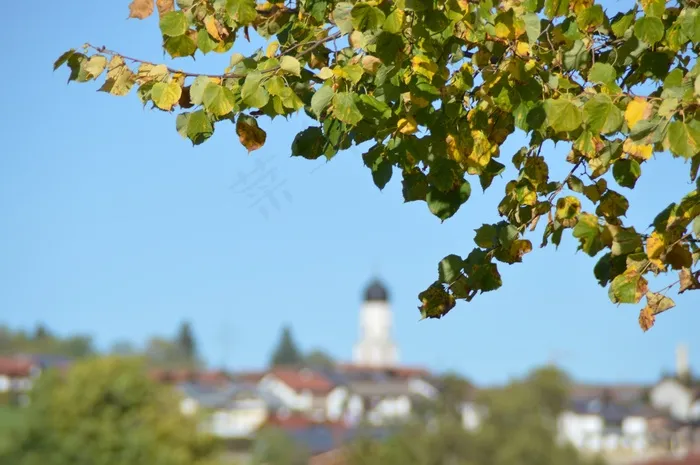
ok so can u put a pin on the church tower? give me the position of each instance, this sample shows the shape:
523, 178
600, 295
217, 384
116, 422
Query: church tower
375, 347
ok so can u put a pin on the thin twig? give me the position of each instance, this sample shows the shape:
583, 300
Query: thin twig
313, 46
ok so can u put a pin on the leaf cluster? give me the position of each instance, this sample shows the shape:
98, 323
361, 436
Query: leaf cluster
434, 88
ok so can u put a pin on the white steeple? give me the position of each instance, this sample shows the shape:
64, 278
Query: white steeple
375, 347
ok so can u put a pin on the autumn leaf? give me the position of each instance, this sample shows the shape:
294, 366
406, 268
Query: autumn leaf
140, 9
165, 6
646, 318
407, 125
688, 280
212, 27
637, 110
251, 136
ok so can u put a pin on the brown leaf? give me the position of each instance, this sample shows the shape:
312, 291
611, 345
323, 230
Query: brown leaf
250, 135
646, 319
245, 33
688, 281
185, 101
140, 9
659, 303
679, 257
165, 6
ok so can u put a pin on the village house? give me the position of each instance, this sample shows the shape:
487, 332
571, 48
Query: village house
302, 390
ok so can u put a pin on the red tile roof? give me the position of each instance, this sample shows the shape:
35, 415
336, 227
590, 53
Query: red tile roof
301, 380
184, 375
397, 372
15, 368
689, 459
300, 421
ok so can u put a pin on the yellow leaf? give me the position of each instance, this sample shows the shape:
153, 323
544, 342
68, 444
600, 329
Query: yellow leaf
520, 247
407, 125
250, 135
272, 49
211, 27
523, 49
453, 149
140, 9
637, 110
655, 245
424, 66
577, 6
165, 6
641, 152
325, 73
646, 318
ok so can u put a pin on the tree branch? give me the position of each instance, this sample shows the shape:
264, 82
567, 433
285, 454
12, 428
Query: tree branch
313, 46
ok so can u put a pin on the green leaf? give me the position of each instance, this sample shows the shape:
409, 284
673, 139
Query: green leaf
684, 139
394, 22
649, 29
174, 23
63, 58
486, 236
590, 18
414, 186
532, 27
628, 288
555, 8
242, 11
381, 168
602, 73
252, 92
290, 65
612, 205
342, 16
275, 86
602, 115
563, 115
309, 143
180, 46
166, 95
626, 241
345, 109
588, 232
450, 268
436, 302
366, 17
445, 204
218, 100
626, 171
197, 89
622, 25
196, 126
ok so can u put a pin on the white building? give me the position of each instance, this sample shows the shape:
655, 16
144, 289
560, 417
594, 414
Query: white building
375, 347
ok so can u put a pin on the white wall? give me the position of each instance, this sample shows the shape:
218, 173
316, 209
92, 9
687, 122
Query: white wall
422, 387
238, 422
291, 399
336, 403
471, 418
671, 395
583, 431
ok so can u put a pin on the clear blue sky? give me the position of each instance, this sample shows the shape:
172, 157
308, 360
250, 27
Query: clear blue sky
113, 225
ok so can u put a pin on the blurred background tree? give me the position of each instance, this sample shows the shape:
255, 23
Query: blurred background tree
106, 412
519, 427
273, 446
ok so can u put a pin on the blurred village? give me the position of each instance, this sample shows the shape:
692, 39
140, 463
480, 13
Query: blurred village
323, 407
